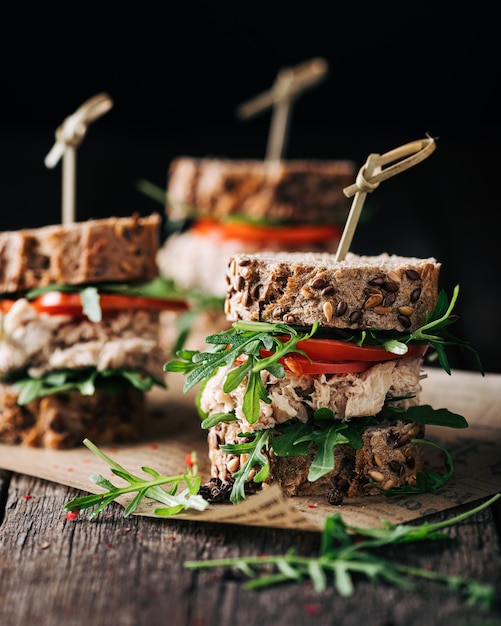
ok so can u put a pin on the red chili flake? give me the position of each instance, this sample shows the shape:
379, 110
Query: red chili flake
109, 545
71, 516
154, 446
85, 461
188, 460
27, 497
312, 609
70, 469
313, 506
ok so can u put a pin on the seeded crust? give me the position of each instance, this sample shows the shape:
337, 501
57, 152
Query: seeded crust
64, 420
294, 191
121, 249
388, 459
384, 292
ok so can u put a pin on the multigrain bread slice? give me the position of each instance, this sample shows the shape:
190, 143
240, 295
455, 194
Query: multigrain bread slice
294, 191
64, 420
387, 292
121, 249
388, 459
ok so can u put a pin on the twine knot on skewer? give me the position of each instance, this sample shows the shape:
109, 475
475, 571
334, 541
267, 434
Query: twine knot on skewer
362, 183
68, 137
371, 174
74, 128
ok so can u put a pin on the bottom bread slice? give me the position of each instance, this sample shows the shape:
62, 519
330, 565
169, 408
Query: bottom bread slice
64, 420
389, 458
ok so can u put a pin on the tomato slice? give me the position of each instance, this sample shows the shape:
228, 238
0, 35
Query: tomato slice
62, 303
337, 350
300, 365
5, 305
253, 232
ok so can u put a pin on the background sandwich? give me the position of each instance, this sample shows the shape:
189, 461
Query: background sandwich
317, 384
79, 330
223, 206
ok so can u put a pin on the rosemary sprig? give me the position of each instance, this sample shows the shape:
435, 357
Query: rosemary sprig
187, 499
348, 551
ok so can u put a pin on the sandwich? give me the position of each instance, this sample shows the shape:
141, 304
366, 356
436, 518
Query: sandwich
79, 327
217, 207
316, 385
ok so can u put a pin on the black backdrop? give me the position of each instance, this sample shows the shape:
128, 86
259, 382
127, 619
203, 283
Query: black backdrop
176, 76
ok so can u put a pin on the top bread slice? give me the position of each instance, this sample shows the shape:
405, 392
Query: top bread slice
385, 292
118, 249
294, 192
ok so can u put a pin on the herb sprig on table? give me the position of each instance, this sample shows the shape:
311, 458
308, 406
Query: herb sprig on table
187, 499
348, 552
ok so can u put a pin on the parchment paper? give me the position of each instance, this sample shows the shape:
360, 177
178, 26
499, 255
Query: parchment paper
174, 431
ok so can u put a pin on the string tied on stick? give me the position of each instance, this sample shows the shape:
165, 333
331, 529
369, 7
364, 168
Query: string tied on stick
69, 136
371, 174
290, 83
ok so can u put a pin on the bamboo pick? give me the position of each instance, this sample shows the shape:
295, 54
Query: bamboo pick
371, 174
289, 84
68, 137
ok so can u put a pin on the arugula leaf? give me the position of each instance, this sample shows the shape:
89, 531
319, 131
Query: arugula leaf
325, 433
347, 552
424, 414
86, 381
233, 344
187, 499
253, 449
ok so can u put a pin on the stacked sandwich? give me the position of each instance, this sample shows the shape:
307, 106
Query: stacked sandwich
316, 386
224, 206
79, 330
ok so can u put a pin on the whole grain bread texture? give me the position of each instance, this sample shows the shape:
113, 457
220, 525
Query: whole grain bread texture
387, 292
295, 191
388, 459
64, 420
118, 249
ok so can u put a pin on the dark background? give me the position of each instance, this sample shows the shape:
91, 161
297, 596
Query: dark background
176, 76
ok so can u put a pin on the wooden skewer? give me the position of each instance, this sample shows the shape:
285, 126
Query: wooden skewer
371, 175
289, 84
68, 137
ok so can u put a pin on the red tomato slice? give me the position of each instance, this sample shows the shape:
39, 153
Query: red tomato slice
252, 232
337, 350
61, 303
300, 365
5, 305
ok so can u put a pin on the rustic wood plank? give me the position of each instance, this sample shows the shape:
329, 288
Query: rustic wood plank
130, 571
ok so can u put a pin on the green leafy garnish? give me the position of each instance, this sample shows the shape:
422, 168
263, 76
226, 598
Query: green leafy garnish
348, 552
434, 333
320, 436
144, 488
232, 344
86, 381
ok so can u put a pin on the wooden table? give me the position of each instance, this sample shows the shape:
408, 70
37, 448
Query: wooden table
130, 571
